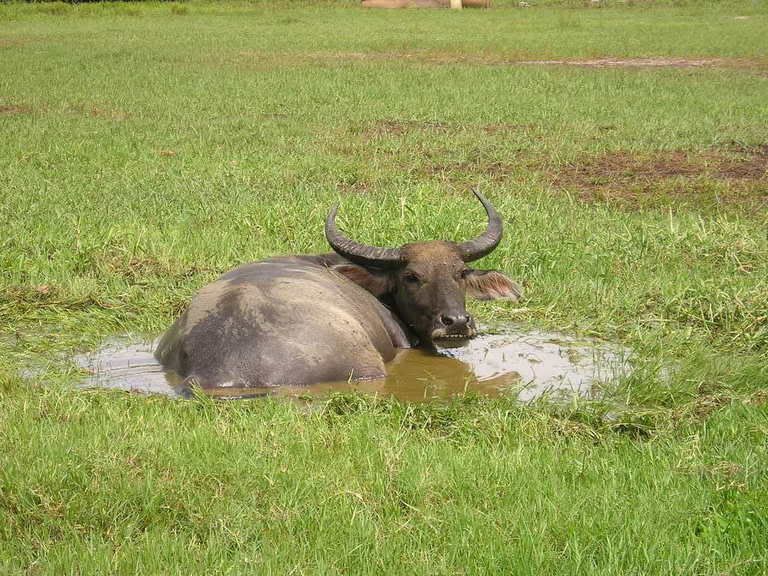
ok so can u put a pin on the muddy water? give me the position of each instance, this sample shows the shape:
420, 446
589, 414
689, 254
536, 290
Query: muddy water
128, 364
525, 364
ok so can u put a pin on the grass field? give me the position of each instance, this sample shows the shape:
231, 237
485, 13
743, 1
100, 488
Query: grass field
146, 148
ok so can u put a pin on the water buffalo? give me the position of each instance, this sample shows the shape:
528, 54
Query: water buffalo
296, 320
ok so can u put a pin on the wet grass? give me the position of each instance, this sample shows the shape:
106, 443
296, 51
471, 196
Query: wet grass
148, 148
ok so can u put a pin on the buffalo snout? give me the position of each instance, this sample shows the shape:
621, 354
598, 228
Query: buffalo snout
453, 325
455, 321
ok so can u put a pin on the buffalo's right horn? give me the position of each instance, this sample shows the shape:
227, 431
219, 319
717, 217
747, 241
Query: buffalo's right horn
356, 252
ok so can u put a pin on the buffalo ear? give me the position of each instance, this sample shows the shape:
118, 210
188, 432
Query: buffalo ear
492, 285
375, 281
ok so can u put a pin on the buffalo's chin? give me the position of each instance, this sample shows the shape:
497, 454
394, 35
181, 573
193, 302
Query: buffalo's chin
448, 343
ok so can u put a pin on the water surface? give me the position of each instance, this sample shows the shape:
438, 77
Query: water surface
526, 364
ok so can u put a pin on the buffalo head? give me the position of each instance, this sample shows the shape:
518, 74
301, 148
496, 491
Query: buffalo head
427, 282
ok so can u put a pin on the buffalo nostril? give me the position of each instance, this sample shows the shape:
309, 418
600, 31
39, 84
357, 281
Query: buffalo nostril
455, 321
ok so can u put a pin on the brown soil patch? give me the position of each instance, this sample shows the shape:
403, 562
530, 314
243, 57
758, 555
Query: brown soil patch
759, 398
431, 57
634, 62
736, 176
626, 168
705, 405
631, 177
271, 60
13, 42
11, 109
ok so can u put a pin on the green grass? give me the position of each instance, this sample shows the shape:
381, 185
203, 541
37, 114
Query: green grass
145, 149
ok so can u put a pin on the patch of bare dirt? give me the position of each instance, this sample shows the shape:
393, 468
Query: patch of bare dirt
632, 62
12, 42
12, 109
736, 176
705, 405
759, 398
622, 167
432, 57
634, 177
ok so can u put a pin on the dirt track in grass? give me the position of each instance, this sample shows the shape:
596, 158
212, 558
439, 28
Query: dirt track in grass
11, 109
637, 62
736, 175
264, 59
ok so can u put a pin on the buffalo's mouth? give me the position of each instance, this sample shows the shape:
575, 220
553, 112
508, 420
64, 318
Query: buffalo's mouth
441, 335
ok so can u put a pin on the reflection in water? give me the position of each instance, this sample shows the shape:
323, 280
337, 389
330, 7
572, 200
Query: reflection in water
128, 364
526, 364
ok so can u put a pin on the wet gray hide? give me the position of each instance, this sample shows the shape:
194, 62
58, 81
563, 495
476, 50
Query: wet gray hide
283, 321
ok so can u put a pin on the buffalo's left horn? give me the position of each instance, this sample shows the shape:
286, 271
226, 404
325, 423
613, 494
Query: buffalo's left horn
356, 252
485, 243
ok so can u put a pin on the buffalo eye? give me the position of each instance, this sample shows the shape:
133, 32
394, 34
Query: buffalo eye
411, 278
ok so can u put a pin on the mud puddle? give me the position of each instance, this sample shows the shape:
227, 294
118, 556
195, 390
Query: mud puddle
524, 364
128, 364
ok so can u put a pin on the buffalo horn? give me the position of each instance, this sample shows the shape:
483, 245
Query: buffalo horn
356, 252
488, 240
